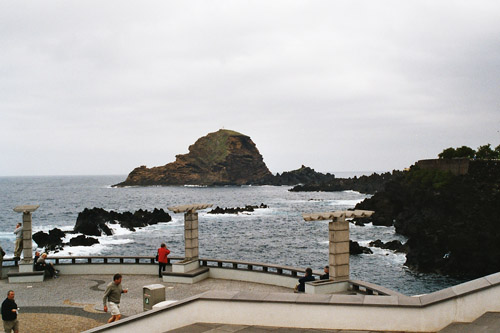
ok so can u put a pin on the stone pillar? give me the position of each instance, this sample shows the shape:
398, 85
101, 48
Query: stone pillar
191, 253
27, 237
26, 264
338, 233
191, 235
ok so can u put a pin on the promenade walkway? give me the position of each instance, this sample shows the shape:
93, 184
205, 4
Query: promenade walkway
74, 304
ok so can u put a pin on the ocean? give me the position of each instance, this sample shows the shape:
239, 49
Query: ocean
277, 234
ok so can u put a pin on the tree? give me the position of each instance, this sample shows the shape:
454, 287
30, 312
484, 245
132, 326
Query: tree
497, 151
465, 152
486, 153
448, 153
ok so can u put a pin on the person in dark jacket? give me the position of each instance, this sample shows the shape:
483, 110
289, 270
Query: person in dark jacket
163, 252
301, 287
325, 276
9, 314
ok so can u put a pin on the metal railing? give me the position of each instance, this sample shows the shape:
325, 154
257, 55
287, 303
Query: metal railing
286, 271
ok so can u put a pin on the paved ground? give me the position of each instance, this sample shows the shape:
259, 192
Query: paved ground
74, 303
220, 328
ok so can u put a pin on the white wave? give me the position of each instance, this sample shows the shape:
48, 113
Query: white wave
81, 250
351, 191
396, 257
364, 242
118, 230
109, 240
351, 202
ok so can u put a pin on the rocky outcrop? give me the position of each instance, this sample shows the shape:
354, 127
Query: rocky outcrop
83, 240
93, 222
237, 210
355, 248
394, 245
51, 241
364, 184
451, 221
221, 158
303, 175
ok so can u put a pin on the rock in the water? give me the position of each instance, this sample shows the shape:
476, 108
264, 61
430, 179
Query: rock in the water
50, 241
82, 240
247, 208
93, 222
355, 248
303, 175
364, 184
394, 245
221, 158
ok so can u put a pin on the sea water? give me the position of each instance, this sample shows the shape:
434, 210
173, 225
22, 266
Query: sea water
276, 235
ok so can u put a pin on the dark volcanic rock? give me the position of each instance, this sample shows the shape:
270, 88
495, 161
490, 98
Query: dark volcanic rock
355, 248
364, 184
92, 222
50, 241
451, 221
82, 240
221, 158
394, 245
303, 175
247, 208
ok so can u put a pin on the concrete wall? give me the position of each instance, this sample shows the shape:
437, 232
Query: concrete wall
456, 166
253, 276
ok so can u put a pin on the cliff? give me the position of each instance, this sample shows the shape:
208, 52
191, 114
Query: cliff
221, 158
451, 219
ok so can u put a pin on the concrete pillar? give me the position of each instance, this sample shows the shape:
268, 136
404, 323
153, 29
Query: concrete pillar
27, 237
26, 264
338, 259
191, 235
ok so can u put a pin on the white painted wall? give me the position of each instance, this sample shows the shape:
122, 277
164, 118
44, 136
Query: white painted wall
430, 318
251, 276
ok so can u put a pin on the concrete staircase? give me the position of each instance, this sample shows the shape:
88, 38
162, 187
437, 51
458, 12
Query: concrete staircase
489, 322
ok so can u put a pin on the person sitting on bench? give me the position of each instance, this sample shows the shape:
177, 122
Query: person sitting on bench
48, 267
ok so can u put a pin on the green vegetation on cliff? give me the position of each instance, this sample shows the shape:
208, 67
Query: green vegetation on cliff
483, 152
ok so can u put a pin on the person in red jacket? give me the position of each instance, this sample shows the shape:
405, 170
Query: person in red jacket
163, 252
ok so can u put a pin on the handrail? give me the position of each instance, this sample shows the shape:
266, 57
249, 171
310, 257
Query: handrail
254, 266
282, 270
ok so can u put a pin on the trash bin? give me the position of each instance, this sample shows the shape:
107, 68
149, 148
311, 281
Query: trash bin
151, 295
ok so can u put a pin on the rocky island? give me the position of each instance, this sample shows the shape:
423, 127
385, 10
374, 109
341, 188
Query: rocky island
224, 157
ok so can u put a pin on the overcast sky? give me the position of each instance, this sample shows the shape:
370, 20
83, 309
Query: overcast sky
101, 87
